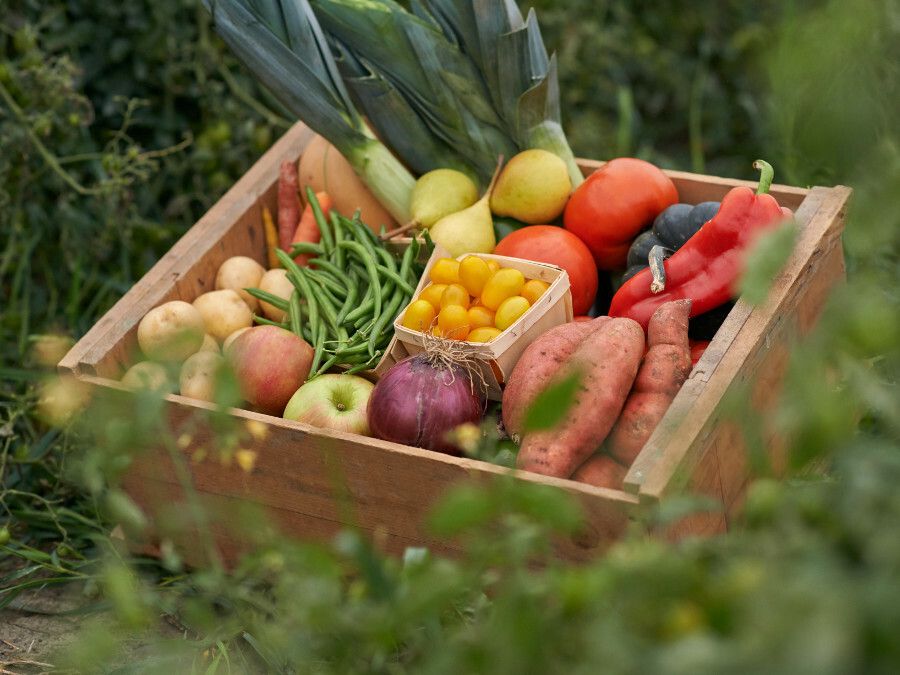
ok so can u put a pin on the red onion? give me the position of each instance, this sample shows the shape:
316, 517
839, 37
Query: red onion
423, 397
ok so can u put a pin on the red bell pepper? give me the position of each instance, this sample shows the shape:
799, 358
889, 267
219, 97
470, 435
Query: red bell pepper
710, 263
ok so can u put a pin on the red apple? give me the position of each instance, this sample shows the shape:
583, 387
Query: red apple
333, 401
270, 364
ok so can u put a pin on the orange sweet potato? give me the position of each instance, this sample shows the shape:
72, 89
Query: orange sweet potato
601, 470
607, 361
666, 366
538, 363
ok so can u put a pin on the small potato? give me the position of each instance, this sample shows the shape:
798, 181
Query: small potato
199, 376
223, 313
209, 344
147, 375
238, 273
275, 282
171, 332
231, 338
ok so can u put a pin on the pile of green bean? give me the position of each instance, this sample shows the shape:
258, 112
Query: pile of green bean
344, 303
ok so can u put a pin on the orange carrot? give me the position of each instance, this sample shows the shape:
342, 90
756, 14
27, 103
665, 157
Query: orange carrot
288, 203
307, 230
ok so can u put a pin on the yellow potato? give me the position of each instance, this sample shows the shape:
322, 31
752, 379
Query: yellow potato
199, 376
238, 273
171, 332
275, 282
223, 313
209, 344
231, 338
147, 375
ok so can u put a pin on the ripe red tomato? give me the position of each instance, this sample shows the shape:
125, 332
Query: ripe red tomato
554, 245
617, 201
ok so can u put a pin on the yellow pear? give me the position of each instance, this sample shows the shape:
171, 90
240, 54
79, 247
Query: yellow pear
470, 230
439, 193
533, 187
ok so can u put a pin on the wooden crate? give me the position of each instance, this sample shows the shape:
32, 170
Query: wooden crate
386, 488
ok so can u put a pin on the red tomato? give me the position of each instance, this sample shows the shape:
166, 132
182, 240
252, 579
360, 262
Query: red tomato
616, 202
554, 245
583, 317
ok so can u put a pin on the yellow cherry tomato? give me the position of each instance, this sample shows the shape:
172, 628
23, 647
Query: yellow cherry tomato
493, 265
437, 332
480, 317
455, 294
483, 334
510, 310
432, 293
418, 316
503, 284
473, 274
533, 289
445, 271
453, 321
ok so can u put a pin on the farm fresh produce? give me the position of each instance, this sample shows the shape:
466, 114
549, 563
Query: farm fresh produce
344, 302
338, 402
613, 204
556, 246
470, 300
671, 229
270, 364
470, 230
705, 268
606, 361
424, 397
533, 187
445, 56
665, 368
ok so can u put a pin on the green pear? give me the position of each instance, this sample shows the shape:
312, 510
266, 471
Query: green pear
533, 187
439, 193
470, 230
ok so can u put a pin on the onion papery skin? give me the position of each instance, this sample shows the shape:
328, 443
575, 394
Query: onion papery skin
417, 403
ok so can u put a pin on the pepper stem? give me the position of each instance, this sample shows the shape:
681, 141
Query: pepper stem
657, 270
766, 177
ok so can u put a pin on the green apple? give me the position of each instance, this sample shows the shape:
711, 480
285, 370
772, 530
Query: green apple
332, 401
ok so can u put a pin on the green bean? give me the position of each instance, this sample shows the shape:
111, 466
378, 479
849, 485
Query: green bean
371, 270
352, 293
325, 366
294, 313
306, 247
318, 349
408, 256
388, 315
274, 300
324, 229
338, 253
302, 284
267, 322
398, 280
322, 265
366, 365
363, 310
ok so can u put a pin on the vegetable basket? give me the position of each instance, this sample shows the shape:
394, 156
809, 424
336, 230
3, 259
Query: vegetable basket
312, 482
498, 356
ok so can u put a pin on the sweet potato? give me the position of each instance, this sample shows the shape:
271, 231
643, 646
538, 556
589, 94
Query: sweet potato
601, 470
538, 363
607, 360
666, 366
288, 203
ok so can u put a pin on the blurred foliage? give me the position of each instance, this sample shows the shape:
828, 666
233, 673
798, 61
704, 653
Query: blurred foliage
120, 124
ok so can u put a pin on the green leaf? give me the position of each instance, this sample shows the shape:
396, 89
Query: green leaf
765, 260
551, 406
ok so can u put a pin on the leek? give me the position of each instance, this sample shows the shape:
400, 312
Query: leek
510, 54
415, 58
282, 44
